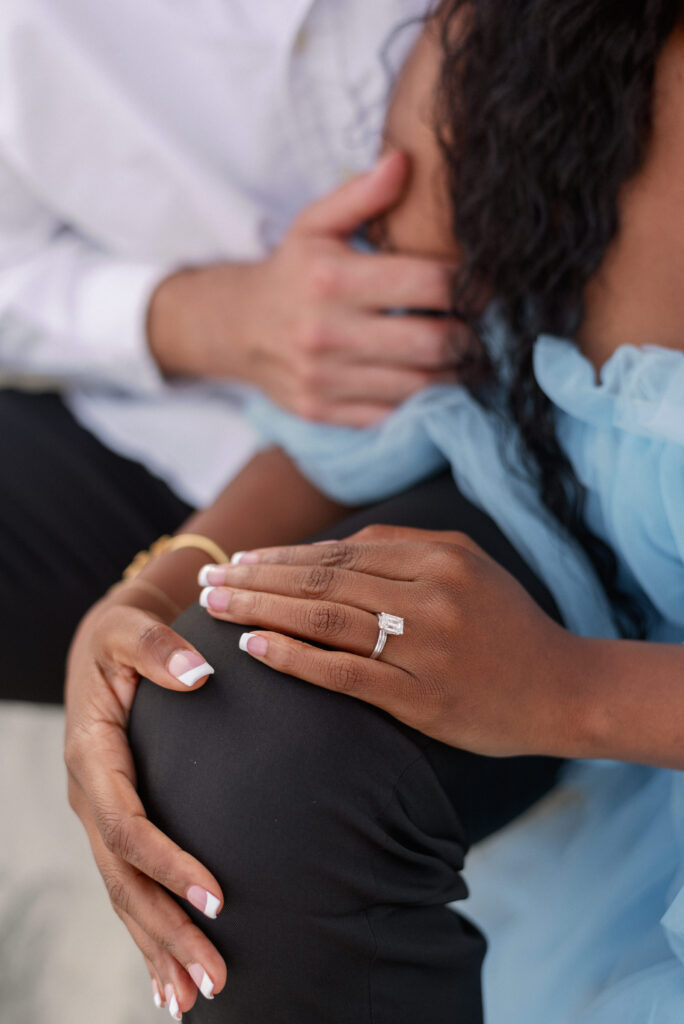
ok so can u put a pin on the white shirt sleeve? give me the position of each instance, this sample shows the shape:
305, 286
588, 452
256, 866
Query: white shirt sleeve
68, 310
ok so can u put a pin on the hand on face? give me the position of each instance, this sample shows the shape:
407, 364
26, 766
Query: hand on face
475, 667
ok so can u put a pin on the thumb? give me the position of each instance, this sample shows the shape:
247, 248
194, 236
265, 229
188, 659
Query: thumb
143, 643
366, 196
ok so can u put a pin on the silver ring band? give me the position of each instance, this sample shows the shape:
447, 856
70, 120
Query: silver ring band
388, 625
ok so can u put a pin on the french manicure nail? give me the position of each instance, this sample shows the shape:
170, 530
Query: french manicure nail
202, 980
174, 1008
245, 558
188, 667
204, 901
211, 576
251, 643
157, 996
215, 599
320, 543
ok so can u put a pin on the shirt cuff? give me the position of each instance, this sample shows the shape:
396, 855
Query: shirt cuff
112, 315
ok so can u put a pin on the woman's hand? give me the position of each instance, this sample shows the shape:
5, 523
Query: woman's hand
478, 665
123, 637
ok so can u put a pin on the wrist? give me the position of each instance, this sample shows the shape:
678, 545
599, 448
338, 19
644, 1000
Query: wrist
583, 718
195, 323
564, 718
166, 325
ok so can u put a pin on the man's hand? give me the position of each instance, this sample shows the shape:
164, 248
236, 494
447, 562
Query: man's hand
120, 639
308, 324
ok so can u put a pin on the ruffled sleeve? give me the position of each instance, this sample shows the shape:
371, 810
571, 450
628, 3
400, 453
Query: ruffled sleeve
623, 432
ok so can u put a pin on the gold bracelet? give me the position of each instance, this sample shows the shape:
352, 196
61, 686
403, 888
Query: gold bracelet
166, 543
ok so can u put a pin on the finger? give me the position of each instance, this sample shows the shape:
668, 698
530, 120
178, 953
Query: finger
353, 414
155, 978
332, 571
383, 282
375, 682
379, 385
358, 551
171, 985
325, 622
428, 343
164, 932
320, 582
139, 641
363, 198
102, 794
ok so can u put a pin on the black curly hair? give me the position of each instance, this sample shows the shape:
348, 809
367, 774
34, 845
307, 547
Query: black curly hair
543, 113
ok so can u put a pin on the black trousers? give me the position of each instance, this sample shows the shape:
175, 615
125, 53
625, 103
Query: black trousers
337, 833
72, 515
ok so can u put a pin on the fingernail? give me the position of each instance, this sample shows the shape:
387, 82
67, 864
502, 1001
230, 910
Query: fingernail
244, 558
202, 980
319, 543
211, 576
157, 996
204, 901
252, 643
188, 667
174, 1008
216, 599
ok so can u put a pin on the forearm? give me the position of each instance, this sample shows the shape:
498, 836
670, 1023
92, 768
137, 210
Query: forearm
622, 701
269, 502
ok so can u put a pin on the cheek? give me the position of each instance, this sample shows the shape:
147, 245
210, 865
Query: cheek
421, 223
416, 230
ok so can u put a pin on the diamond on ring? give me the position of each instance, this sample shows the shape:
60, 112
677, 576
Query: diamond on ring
393, 625
388, 625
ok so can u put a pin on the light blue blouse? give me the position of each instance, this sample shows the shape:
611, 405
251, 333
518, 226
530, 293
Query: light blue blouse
601, 917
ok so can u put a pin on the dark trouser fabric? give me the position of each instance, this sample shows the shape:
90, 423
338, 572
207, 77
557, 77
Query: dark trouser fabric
337, 833
72, 516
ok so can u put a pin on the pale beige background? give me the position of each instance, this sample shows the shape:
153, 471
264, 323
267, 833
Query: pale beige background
64, 956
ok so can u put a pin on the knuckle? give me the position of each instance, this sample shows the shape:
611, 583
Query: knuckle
341, 556
73, 756
72, 797
345, 675
119, 895
457, 562
116, 835
312, 339
326, 620
375, 532
153, 637
324, 278
317, 581
178, 939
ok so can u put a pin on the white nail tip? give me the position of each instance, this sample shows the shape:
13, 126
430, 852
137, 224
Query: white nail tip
158, 1001
207, 986
211, 908
204, 597
243, 641
203, 575
174, 1009
190, 677
237, 557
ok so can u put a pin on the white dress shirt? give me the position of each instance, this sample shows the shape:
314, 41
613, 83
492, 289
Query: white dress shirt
137, 137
